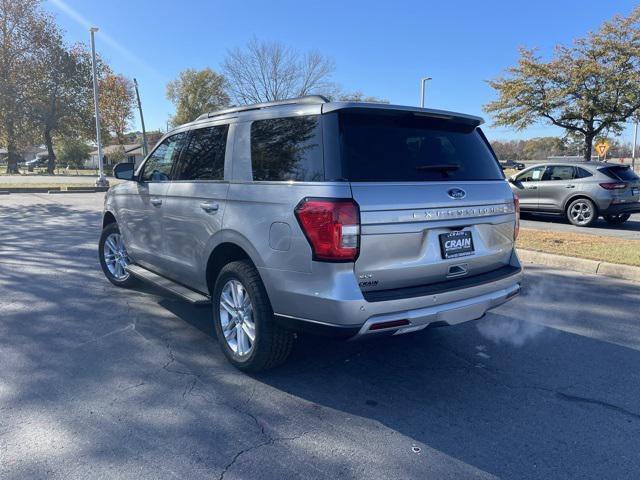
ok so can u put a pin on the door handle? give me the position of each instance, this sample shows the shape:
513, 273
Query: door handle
209, 207
533, 188
570, 186
156, 202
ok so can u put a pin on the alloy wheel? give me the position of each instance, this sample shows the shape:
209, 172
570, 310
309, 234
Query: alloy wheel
581, 213
116, 257
236, 318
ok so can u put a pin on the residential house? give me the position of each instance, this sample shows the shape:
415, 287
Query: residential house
113, 153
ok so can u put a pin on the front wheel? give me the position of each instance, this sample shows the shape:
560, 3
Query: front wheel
617, 219
243, 320
582, 212
114, 257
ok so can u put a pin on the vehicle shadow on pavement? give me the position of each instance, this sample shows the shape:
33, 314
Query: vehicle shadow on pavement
97, 381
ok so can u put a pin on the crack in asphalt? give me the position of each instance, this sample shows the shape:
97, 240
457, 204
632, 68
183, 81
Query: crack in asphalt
189, 390
601, 403
558, 393
269, 441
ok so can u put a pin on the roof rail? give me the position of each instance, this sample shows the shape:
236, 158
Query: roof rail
308, 99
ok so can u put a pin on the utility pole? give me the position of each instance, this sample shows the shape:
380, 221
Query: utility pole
423, 82
102, 180
144, 133
633, 148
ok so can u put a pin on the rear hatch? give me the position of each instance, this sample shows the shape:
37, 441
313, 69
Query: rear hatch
434, 205
624, 174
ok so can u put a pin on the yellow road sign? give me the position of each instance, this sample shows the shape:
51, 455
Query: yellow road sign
602, 147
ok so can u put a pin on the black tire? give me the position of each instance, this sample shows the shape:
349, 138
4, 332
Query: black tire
582, 212
126, 282
617, 219
272, 344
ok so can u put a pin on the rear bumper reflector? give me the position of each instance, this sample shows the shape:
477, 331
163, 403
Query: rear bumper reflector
390, 324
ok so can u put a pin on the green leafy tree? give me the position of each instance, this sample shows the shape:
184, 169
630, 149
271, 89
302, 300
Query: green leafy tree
60, 94
196, 92
589, 89
22, 32
72, 152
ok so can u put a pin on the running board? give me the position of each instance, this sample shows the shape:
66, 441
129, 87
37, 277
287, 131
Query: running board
170, 286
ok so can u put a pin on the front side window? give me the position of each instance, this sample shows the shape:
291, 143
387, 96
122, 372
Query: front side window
533, 175
158, 166
287, 149
559, 173
203, 158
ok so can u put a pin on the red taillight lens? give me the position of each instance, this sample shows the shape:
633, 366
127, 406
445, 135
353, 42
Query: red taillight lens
613, 185
332, 228
516, 204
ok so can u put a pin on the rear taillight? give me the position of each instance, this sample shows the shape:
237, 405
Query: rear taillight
332, 227
613, 185
516, 205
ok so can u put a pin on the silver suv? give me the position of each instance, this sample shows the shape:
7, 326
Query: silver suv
582, 191
349, 219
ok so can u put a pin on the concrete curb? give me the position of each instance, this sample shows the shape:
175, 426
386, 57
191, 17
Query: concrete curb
594, 267
9, 190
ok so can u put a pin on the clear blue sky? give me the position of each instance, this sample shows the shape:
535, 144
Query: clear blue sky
379, 47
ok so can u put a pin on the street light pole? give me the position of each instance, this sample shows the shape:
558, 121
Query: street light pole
633, 148
423, 82
102, 180
144, 133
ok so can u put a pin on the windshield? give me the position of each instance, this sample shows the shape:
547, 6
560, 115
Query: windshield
404, 147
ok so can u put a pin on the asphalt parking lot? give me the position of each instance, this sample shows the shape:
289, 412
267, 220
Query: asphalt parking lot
99, 382
629, 230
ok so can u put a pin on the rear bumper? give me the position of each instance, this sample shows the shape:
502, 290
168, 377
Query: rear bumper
621, 208
336, 306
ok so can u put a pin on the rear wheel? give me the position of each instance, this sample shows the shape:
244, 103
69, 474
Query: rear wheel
582, 212
617, 219
243, 320
114, 257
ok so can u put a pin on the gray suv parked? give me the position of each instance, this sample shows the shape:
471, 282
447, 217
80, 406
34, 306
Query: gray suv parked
350, 219
581, 191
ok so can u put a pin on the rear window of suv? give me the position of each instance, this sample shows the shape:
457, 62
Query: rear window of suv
620, 172
403, 147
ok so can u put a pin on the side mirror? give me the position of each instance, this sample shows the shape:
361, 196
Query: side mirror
124, 171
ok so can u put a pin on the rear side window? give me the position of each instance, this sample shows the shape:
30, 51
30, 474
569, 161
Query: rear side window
582, 173
620, 172
158, 166
377, 147
287, 149
203, 159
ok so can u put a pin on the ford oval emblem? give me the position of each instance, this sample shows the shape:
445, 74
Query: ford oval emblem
457, 193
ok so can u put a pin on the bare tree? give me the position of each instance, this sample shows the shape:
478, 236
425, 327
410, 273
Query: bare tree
268, 71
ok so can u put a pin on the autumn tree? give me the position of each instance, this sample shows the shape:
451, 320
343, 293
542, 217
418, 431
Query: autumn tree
268, 71
22, 30
117, 97
195, 92
588, 89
